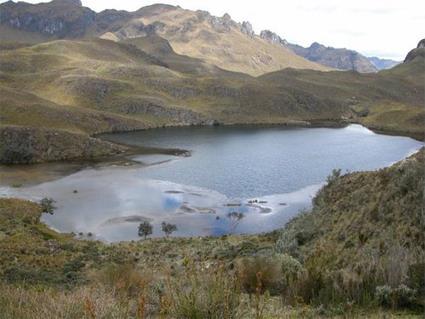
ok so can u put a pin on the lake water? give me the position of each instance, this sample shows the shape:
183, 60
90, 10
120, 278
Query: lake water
268, 174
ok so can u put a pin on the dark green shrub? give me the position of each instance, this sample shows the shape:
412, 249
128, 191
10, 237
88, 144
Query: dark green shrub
145, 229
47, 205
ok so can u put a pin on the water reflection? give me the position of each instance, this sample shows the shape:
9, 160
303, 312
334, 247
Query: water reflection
231, 171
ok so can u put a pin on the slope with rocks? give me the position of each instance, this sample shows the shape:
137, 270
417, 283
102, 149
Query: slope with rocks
217, 40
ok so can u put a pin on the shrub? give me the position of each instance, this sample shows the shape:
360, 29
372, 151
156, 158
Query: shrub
168, 229
336, 173
400, 297
145, 229
123, 279
202, 294
47, 205
270, 270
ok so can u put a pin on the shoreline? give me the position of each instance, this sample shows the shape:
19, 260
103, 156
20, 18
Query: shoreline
128, 150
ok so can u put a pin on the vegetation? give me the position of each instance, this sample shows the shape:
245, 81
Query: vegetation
145, 229
60, 92
168, 229
47, 205
358, 253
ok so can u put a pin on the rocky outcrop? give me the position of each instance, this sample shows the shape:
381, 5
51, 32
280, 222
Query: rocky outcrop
272, 37
246, 28
419, 51
342, 59
59, 18
25, 145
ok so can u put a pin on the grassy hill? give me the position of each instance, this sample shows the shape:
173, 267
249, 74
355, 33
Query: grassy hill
358, 254
366, 230
92, 86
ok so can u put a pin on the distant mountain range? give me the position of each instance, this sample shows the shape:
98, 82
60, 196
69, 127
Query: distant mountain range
217, 40
341, 59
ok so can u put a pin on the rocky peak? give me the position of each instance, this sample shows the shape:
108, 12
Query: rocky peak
272, 38
59, 18
77, 3
317, 46
418, 51
246, 28
222, 24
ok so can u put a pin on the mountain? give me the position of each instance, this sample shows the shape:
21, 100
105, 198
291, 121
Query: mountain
342, 59
58, 18
383, 64
419, 51
216, 40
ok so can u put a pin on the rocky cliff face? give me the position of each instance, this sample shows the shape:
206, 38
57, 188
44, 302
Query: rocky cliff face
59, 18
341, 59
272, 38
419, 51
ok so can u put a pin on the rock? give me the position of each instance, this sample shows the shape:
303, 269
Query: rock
272, 38
419, 51
246, 28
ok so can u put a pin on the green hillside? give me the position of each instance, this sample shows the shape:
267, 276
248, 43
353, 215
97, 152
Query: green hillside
92, 86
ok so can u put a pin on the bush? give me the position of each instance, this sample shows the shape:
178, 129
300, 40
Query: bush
336, 173
400, 297
168, 229
124, 279
47, 205
145, 229
202, 294
260, 273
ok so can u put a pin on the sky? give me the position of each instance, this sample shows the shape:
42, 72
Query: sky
383, 28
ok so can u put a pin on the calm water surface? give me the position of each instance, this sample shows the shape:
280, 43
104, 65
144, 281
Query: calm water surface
269, 174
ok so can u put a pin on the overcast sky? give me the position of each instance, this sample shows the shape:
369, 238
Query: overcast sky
384, 28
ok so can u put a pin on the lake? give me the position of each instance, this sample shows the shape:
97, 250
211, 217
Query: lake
268, 174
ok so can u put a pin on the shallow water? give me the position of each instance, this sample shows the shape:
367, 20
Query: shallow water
268, 174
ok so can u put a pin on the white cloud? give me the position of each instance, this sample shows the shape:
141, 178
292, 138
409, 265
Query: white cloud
388, 28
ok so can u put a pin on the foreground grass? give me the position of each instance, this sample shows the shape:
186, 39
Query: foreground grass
358, 254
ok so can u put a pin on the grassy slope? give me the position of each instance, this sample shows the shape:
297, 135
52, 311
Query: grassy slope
220, 43
365, 230
99, 85
391, 100
353, 240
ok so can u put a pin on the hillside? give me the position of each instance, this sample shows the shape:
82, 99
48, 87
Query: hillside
93, 86
218, 41
356, 250
419, 51
365, 230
